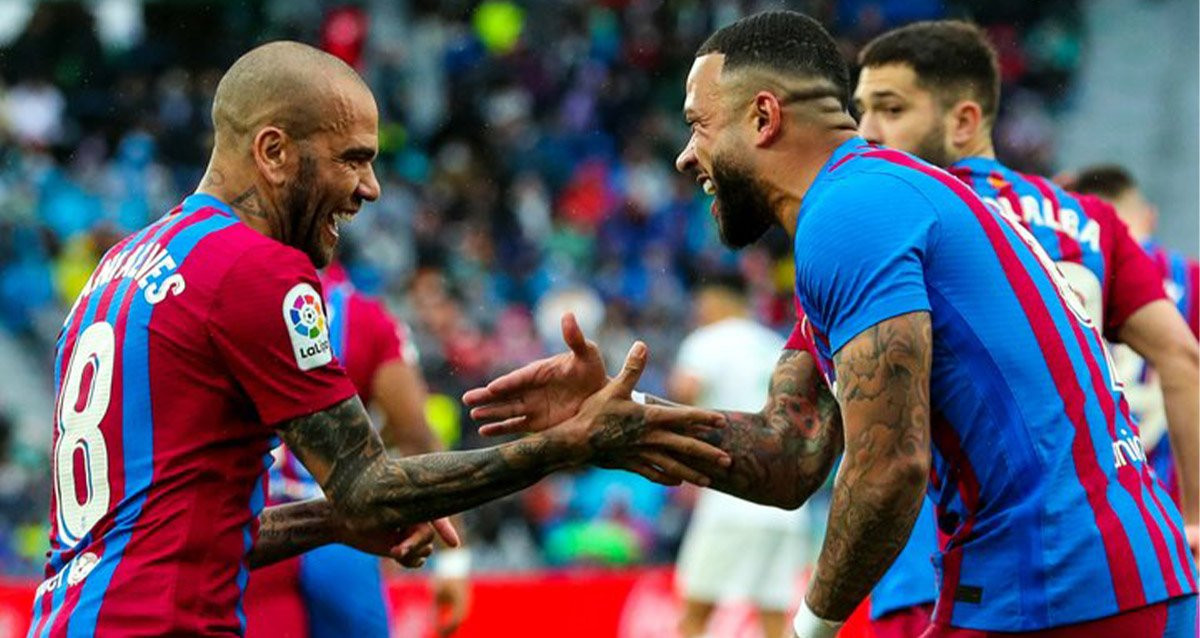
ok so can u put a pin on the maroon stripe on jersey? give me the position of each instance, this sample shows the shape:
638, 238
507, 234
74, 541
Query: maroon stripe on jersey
1128, 475
1126, 580
947, 442
112, 425
131, 561
1182, 552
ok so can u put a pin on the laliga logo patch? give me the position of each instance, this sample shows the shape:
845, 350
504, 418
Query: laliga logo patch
304, 314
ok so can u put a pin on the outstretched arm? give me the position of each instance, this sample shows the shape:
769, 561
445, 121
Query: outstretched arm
375, 491
883, 389
780, 455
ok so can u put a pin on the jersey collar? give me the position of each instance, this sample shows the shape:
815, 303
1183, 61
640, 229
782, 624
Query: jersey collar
199, 201
977, 165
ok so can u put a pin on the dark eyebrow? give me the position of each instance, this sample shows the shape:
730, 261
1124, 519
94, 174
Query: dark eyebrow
361, 153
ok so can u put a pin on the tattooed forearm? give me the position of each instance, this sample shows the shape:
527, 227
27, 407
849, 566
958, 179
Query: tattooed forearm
782, 454
289, 530
374, 491
883, 377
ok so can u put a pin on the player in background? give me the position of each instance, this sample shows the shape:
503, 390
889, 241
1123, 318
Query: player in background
935, 321
932, 89
733, 550
1181, 278
202, 338
337, 590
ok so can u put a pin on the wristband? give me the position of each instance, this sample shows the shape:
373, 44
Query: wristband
809, 625
452, 563
638, 397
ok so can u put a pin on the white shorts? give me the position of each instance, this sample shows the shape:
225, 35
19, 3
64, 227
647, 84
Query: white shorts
722, 563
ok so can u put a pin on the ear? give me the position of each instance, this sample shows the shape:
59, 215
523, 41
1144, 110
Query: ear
272, 151
964, 122
768, 118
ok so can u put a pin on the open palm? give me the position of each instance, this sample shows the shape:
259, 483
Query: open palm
541, 394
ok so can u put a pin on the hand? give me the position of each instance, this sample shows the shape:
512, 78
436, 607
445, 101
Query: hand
451, 600
408, 546
543, 393
658, 442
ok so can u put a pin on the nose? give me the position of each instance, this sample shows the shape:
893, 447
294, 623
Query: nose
368, 186
868, 127
687, 157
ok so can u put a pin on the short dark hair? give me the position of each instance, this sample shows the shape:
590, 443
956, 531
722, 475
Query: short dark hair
784, 42
1108, 181
947, 56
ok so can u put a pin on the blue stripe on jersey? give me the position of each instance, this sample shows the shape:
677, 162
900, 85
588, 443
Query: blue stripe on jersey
337, 300
1030, 196
1179, 275
157, 229
1156, 515
138, 430
257, 498
995, 400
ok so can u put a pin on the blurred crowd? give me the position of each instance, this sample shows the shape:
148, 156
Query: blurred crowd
526, 160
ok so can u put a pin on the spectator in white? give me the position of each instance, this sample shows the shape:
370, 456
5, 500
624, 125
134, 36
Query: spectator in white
734, 550
34, 113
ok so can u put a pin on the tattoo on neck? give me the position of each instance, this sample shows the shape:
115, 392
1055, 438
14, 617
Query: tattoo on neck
248, 203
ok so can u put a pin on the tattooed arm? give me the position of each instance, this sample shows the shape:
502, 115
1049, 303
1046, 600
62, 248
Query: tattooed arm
779, 455
883, 390
374, 491
782, 454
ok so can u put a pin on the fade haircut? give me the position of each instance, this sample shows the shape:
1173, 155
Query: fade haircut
951, 59
1107, 181
783, 42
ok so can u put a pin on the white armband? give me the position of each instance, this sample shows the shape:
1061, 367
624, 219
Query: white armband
809, 625
452, 563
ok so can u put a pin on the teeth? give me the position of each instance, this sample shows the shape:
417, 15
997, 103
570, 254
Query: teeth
709, 187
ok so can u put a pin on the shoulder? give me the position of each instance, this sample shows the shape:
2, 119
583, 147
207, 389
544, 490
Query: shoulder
876, 186
247, 254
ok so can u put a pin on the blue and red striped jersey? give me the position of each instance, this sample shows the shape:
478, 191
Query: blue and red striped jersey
1047, 511
191, 339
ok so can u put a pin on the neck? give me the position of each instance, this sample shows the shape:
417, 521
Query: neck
229, 185
797, 169
979, 146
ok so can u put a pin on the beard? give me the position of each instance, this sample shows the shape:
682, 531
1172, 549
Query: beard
932, 147
304, 225
743, 212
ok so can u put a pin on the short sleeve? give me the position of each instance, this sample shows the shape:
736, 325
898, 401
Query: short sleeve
269, 326
860, 255
1133, 279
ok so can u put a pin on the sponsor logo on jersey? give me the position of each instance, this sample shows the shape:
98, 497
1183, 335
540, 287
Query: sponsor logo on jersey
81, 567
1128, 449
304, 315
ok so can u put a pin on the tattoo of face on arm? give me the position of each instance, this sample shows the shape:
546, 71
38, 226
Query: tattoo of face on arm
883, 378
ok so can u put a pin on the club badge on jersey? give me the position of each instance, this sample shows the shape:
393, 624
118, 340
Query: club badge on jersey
304, 315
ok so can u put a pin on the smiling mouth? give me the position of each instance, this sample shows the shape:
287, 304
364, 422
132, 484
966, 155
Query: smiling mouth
337, 219
707, 185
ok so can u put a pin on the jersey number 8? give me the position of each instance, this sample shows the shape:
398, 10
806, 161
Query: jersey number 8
82, 403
